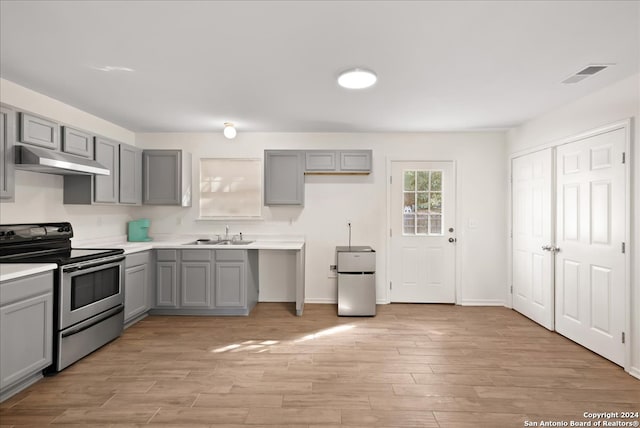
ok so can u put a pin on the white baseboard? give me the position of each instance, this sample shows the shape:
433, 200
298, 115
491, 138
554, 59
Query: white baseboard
635, 372
276, 300
326, 300
482, 302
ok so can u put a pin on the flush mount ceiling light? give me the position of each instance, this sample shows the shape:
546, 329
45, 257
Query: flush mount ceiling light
229, 130
357, 78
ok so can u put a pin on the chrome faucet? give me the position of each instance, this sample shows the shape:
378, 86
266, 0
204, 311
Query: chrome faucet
226, 233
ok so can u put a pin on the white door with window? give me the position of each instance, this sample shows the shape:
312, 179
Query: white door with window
533, 230
422, 232
590, 264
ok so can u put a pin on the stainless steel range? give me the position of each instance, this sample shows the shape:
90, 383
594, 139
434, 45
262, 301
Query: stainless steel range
88, 288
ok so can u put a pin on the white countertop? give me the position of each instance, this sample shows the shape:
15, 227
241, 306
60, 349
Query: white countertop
182, 242
9, 271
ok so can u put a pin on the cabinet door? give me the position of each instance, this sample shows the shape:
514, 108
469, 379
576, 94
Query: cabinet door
195, 284
7, 138
77, 142
283, 177
107, 153
130, 175
317, 160
167, 284
357, 161
230, 285
135, 291
39, 131
26, 338
162, 177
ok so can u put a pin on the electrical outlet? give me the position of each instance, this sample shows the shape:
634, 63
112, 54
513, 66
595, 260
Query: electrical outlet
333, 271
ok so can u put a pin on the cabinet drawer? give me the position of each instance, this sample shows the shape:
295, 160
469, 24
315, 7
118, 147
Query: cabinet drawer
196, 255
231, 255
77, 142
39, 131
167, 255
137, 259
22, 288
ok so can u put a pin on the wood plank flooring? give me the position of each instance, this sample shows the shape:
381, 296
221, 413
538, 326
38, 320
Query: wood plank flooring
411, 365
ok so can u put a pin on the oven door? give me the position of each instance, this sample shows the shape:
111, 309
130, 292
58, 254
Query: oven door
90, 288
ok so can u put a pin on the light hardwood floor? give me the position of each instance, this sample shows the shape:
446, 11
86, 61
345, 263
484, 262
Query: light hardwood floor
411, 365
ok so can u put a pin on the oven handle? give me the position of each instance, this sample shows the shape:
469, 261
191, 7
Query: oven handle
92, 265
91, 322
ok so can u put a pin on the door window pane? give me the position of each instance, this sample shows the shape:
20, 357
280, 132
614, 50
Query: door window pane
422, 202
421, 224
435, 225
423, 181
422, 205
410, 180
409, 224
409, 202
436, 180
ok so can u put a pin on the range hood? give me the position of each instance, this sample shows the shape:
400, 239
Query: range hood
50, 162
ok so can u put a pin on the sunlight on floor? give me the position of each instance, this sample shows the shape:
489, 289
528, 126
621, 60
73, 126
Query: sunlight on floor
326, 332
248, 345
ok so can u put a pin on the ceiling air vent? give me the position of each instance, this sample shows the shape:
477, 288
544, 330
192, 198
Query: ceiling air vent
589, 70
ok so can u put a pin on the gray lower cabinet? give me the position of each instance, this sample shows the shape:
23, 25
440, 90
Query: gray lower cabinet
236, 279
7, 140
26, 331
166, 177
130, 175
38, 131
284, 177
77, 142
136, 286
107, 187
207, 282
167, 284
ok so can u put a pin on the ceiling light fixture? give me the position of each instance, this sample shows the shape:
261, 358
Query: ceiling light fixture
229, 130
357, 78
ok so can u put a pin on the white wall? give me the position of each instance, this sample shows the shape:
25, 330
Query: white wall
39, 196
331, 200
616, 102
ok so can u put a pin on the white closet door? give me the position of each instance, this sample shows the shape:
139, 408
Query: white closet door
590, 265
532, 196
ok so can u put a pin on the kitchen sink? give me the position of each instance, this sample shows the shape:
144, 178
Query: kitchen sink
216, 242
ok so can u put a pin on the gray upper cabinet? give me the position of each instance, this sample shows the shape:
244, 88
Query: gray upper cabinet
7, 139
318, 160
130, 175
106, 187
77, 142
39, 131
356, 161
166, 177
284, 177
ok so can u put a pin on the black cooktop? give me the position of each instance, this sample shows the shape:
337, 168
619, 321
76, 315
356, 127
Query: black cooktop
45, 243
66, 257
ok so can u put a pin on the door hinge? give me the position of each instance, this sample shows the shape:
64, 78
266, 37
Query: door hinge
390, 233
511, 233
390, 179
624, 157
623, 248
623, 337
511, 289
391, 288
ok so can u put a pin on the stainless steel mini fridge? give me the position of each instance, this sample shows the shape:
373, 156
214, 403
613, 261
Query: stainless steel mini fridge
356, 281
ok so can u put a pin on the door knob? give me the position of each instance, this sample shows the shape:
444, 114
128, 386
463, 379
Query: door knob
452, 240
550, 248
